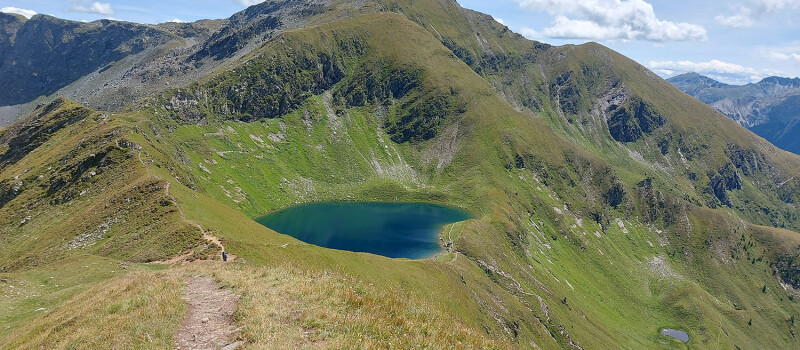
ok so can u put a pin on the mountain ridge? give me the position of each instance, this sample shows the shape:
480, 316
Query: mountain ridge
767, 107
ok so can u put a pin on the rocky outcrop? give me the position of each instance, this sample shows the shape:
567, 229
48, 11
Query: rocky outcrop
266, 87
726, 179
749, 161
717, 187
47, 53
9, 26
632, 120
257, 24
27, 135
108, 64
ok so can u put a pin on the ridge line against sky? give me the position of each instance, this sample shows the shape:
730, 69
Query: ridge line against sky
733, 41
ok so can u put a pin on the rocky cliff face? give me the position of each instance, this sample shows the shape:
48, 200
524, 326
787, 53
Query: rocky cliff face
769, 108
256, 25
9, 25
45, 54
104, 64
108, 64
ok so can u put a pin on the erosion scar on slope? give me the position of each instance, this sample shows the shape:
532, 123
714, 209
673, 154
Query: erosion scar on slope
209, 321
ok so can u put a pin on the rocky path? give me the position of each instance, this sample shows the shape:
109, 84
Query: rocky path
206, 235
209, 321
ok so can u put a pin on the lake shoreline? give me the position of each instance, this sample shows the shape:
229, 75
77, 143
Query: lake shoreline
393, 229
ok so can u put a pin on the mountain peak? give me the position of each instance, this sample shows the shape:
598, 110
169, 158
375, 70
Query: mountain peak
11, 17
10, 23
690, 75
774, 80
696, 77
694, 83
768, 107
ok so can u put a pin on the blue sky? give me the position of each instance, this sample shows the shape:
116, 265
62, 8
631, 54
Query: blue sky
735, 41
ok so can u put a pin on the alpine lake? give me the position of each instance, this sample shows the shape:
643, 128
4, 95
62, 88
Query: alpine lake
395, 230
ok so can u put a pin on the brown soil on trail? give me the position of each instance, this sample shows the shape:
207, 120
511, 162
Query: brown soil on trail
209, 322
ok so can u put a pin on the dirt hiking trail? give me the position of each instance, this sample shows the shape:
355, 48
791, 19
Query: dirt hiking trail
209, 321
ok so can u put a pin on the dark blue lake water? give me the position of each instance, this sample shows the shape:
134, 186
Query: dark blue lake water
396, 230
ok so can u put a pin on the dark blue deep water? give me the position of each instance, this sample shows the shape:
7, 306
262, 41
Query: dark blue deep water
396, 230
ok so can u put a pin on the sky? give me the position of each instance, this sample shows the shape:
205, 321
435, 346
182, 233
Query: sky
733, 41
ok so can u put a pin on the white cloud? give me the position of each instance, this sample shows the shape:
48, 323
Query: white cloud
770, 7
100, 8
565, 28
713, 66
176, 20
749, 13
781, 56
500, 20
529, 33
610, 20
790, 53
665, 72
736, 21
249, 2
727, 72
19, 11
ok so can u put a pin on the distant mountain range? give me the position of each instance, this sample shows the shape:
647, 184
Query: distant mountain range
769, 108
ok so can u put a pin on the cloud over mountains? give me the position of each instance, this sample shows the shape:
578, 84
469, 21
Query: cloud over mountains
19, 11
99, 8
749, 13
610, 20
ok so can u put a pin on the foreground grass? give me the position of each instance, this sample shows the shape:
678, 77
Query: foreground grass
139, 310
281, 308
28, 294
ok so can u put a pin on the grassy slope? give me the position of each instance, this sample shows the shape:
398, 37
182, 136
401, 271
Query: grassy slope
635, 162
536, 267
281, 307
721, 248
77, 323
139, 309
80, 204
84, 189
665, 296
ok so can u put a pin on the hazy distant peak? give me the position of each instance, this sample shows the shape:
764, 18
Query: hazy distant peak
793, 82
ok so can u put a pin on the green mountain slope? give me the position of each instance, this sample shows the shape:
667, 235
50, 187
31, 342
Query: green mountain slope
609, 204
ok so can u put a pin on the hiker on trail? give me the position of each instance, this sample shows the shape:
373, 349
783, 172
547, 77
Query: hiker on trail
224, 256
